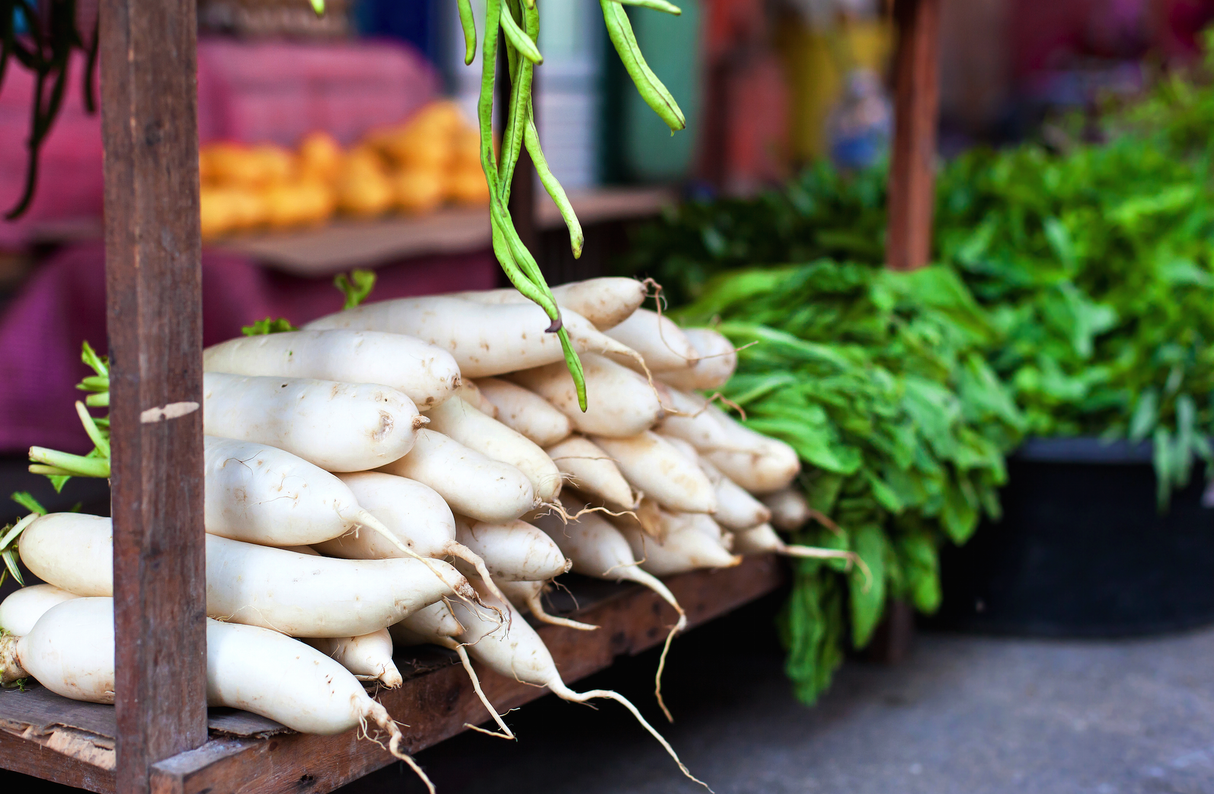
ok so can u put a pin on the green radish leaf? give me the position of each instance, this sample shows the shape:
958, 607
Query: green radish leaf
262, 327
356, 286
867, 596
1145, 417
26, 500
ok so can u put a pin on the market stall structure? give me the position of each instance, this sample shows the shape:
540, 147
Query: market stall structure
159, 736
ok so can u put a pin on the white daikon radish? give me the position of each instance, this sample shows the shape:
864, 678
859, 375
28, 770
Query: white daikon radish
415, 515
514, 551
484, 339
423, 372
525, 412
651, 464
461, 422
472, 484
261, 494
436, 625
658, 339
297, 594
716, 360
764, 540
267, 673
789, 509
736, 509
72, 551
21, 610
319, 596
757, 463
367, 656
683, 549
590, 470
599, 550
529, 596
623, 402
605, 302
516, 651
71, 652
470, 393
337, 426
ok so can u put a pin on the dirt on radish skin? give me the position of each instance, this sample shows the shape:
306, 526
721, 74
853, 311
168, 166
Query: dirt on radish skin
525, 412
336, 426
298, 594
590, 470
423, 372
471, 483
513, 551
367, 656
465, 424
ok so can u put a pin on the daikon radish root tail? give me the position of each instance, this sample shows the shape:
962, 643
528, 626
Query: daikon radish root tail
531, 596
505, 732
565, 693
379, 715
375, 525
462, 552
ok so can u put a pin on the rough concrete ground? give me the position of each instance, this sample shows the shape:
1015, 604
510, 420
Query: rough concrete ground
969, 715
965, 714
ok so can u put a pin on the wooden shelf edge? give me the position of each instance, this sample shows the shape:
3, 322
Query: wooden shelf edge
435, 704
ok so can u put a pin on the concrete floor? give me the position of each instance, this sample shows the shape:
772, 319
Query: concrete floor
965, 714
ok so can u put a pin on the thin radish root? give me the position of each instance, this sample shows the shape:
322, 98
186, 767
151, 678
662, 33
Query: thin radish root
655, 584
815, 553
535, 603
379, 715
465, 592
559, 688
466, 554
505, 733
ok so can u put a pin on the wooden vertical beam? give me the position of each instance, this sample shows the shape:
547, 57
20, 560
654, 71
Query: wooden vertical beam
916, 113
154, 315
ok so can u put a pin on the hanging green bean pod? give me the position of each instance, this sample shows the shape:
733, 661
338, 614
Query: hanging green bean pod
651, 89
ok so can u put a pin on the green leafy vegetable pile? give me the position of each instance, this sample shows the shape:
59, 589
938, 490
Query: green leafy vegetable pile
1091, 271
878, 380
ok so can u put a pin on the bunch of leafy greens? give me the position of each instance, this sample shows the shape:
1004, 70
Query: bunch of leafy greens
1091, 268
878, 380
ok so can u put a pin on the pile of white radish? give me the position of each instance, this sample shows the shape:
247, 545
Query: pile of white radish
418, 471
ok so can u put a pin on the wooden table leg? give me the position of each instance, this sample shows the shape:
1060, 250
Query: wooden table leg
154, 306
916, 114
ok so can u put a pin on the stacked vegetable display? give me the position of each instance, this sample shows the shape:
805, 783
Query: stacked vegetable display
416, 471
411, 168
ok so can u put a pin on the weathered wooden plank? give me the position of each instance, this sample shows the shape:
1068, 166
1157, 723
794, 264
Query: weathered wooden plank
437, 705
154, 315
39, 758
916, 112
44, 735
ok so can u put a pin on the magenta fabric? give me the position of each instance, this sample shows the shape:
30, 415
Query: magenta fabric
63, 304
247, 92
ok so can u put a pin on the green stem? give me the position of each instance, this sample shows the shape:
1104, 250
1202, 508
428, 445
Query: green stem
74, 465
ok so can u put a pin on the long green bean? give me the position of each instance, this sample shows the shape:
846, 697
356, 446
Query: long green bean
468, 22
550, 183
651, 89
656, 5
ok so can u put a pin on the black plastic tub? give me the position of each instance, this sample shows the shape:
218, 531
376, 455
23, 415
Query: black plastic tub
1082, 551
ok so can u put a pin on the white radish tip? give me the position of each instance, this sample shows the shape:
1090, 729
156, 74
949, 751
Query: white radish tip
11, 670
420, 421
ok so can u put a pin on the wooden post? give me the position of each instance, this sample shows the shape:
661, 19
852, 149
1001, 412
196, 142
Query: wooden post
916, 111
154, 315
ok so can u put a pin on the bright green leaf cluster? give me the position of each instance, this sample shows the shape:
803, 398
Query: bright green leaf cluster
878, 380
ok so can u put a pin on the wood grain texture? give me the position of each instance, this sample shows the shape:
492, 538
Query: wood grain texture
436, 699
154, 317
916, 113
436, 705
